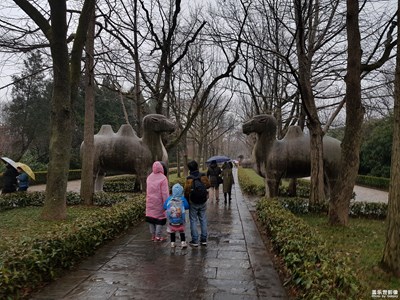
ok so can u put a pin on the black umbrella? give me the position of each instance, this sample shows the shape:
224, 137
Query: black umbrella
218, 159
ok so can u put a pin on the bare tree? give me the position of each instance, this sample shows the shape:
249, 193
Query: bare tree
316, 29
87, 177
340, 201
205, 71
391, 252
160, 43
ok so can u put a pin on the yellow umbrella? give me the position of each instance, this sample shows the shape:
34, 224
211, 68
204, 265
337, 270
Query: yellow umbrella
26, 169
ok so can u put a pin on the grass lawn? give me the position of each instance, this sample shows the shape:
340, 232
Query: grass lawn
363, 242
21, 223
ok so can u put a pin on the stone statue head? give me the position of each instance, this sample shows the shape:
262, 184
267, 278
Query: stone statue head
260, 124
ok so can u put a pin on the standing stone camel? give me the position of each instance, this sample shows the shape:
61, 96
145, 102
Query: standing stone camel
289, 157
125, 151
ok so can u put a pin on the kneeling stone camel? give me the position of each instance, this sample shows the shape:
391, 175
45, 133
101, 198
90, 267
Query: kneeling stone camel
125, 151
289, 157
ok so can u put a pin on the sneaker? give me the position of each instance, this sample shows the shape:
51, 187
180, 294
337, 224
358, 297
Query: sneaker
153, 238
160, 239
172, 244
183, 244
193, 244
203, 243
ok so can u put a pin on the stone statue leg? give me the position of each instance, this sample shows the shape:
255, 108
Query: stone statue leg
142, 182
292, 190
99, 182
328, 185
137, 185
271, 187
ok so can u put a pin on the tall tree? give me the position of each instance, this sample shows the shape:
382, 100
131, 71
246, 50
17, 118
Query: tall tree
391, 252
27, 113
50, 19
338, 207
305, 86
339, 204
87, 178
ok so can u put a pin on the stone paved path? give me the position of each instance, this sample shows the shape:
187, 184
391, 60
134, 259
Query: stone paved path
234, 265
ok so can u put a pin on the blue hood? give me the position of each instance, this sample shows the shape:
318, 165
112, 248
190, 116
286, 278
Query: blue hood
177, 190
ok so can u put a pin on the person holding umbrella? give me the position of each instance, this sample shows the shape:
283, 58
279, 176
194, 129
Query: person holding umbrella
10, 179
23, 180
214, 176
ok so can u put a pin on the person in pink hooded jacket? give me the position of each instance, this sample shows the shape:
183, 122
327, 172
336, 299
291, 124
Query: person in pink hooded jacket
157, 191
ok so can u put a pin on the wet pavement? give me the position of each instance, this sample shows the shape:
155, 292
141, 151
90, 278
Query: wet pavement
365, 194
235, 264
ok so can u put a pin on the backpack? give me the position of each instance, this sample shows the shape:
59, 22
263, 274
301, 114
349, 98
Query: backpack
198, 192
175, 212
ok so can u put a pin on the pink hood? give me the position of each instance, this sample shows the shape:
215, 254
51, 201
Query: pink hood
157, 192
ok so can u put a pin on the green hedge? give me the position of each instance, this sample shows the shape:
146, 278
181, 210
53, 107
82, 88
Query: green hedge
299, 205
32, 262
248, 183
315, 271
373, 182
22, 199
371, 210
115, 192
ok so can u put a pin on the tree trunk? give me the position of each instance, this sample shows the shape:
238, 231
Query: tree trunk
55, 207
87, 178
138, 98
317, 195
308, 100
67, 74
343, 190
391, 252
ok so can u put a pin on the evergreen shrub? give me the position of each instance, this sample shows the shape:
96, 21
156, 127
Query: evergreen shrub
30, 262
315, 272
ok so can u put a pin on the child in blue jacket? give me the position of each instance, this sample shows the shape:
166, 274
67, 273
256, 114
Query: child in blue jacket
175, 205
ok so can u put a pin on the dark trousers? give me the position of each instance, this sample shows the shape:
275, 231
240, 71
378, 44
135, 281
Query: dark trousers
173, 236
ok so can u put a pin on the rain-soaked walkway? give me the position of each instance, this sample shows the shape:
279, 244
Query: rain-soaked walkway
234, 265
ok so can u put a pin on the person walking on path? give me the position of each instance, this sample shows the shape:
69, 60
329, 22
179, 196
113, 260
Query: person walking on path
157, 191
196, 186
175, 206
214, 176
227, 180
23, 180
10, 179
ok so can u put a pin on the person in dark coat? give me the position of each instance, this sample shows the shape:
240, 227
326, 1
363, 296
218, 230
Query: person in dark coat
227, 180
214, 176
10, 179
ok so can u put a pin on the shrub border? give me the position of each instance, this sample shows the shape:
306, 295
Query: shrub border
315, 272
32, 262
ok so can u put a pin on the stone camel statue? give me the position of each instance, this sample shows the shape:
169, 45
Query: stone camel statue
125, 151
289, 157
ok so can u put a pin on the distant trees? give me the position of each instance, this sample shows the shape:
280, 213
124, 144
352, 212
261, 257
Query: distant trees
28, 113
376, 149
